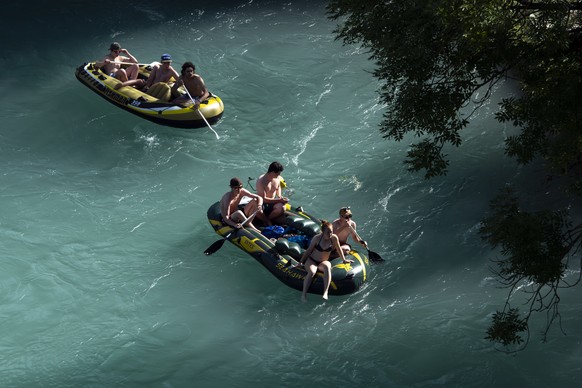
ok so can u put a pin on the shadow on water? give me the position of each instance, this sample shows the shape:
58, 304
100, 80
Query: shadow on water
428, 229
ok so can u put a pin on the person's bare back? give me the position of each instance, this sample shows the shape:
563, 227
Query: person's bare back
268, 186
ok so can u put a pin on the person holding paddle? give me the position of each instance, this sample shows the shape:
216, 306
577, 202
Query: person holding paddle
112, 66
229, 205
195, 88
345, 227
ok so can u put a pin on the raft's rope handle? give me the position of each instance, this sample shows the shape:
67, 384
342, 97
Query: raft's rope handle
249, 183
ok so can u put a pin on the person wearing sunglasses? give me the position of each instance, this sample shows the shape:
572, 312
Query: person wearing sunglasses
345, 227
111, 63
230, 209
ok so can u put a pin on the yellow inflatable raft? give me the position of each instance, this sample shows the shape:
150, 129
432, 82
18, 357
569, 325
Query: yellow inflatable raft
148, 106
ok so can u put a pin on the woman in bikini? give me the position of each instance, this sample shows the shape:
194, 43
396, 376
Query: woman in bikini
316, 257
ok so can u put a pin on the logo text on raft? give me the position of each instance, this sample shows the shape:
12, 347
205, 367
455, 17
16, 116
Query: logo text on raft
282, 267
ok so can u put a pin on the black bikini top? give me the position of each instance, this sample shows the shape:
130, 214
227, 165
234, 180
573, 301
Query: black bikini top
318, 246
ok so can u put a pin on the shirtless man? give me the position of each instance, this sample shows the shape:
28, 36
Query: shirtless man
193, 83
230, 201
269, 188
345, 227
112, 67
160, 73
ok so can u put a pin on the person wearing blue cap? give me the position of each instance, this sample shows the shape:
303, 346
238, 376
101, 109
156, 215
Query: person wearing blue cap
158, 83
163, 72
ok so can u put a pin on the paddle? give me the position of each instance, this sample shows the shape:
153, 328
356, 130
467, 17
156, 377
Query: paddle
139, 64
201, 115
372, 255
219, 243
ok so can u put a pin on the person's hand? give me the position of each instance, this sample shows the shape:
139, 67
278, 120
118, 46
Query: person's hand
346, 261
284, 200
238, 226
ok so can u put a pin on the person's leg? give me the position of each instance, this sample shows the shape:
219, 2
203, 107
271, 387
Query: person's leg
238, 216
249, 209
184, 101
278, 210
137, 83
311, 268
132, 71
346, 248
325, 267
263, 217
121, 75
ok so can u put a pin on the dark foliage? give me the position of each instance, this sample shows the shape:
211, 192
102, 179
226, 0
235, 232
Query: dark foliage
438, 61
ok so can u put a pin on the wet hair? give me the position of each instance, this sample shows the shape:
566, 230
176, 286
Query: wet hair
114, 46
275, 167
326, 225
187, 65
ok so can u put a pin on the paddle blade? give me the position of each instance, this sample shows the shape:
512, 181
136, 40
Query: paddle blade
214, 247
373, 256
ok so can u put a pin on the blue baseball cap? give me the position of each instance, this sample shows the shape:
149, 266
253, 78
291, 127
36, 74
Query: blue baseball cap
166, 58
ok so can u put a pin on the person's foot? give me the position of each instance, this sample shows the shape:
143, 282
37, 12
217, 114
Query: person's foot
325, 295
303, 298
118, 86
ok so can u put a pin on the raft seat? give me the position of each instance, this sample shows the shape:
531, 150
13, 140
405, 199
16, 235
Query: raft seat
161, 91
286, 247
308, 227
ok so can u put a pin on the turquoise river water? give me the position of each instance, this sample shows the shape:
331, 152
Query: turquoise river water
103, 281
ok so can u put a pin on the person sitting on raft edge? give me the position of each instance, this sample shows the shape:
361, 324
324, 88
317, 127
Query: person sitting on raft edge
344, 227
316, 257
193, 83
111, 64
229, 205
269, 188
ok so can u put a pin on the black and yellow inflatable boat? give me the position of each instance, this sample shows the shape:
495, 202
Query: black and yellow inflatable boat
147, 106
280, 255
